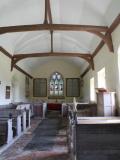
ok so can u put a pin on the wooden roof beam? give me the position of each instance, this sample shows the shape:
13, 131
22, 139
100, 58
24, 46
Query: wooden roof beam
52, 48
45, 18
5, 52
113, 26
49, 12
50, 22
86, 71
48, 19
62, 27
107, 38
86, 56
47, 54
22, 71
54, 27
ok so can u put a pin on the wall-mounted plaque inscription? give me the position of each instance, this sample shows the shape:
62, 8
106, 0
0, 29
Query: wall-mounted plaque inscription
7, 95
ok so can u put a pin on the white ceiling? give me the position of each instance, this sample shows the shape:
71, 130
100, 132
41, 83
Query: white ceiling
84, 12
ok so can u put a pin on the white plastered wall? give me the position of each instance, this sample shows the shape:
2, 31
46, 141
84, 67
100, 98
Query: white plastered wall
110, 61
8, 78
68, 70
5, 78
18, 87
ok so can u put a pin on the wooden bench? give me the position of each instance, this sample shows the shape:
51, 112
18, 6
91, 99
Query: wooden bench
12, 123
65, 108
90, 134
39, 109
6, 132
16, 117
86, 109
3, 132
76, 110
26, 115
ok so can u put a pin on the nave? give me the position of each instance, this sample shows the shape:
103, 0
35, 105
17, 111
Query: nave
59, 80
70, 137
46, 140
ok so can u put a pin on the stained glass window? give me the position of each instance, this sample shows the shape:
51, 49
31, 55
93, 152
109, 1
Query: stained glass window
56, 84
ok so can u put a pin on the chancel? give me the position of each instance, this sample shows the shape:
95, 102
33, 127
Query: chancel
59, 80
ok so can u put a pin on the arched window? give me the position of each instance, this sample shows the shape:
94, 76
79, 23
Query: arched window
56, 84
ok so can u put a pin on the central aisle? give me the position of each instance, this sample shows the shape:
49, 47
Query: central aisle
46, 140
50, 135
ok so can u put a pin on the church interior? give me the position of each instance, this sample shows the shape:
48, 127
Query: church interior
60, 80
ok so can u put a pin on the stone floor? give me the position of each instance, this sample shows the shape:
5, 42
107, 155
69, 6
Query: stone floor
18, 151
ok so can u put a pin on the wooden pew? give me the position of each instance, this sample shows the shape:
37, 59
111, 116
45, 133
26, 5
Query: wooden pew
71, 128
90, 134
6, 132
26, 115
3, 132
86, 109
16, 119
75, 110
65, 108
39, 109
44, 109
12, 123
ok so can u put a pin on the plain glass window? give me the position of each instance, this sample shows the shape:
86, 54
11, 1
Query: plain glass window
101, 78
